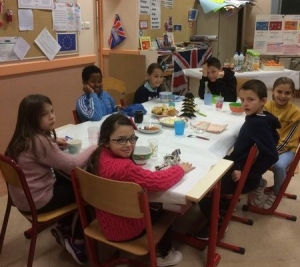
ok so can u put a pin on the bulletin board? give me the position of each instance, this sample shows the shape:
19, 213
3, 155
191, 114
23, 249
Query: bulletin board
179, 14
41, 19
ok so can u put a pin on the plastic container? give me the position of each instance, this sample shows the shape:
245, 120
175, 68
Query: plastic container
241, 61
236, 61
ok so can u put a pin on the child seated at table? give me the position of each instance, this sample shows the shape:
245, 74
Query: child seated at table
36, 149
289, 116
221, 81
95, 102
112, 160
151, 88
258, 129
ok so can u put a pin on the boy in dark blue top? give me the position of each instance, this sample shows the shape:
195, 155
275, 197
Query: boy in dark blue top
258, 129
220, 81
151, 88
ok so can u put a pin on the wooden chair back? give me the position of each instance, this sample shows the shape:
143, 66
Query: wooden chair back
120, 198
240, 82
116, 88
14, 176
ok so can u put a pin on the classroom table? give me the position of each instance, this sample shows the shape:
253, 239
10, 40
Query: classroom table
268, 77
205, 155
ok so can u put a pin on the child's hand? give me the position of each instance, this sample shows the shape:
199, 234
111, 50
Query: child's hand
61, 142
220, 74
87, 89
236, 175
204, 70
187, 167
119, 108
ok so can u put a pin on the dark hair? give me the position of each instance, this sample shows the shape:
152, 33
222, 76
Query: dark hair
285, 80
107, 129
88, 70
29, 116
154, 66
256, 86
213, 62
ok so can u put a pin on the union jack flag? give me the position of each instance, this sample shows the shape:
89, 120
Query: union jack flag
117, 34
187, 59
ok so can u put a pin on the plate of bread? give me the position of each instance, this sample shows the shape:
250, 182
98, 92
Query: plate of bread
149, 128
164, 111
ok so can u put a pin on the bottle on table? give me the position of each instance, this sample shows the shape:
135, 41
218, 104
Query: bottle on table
236, 61
241, 61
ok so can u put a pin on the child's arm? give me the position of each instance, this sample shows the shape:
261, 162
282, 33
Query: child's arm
88, 107
227, 85
53, 157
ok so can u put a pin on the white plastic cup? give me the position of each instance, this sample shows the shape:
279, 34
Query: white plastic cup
93, 134
153, 144
219, 102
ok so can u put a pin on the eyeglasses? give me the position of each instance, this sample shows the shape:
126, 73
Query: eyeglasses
123, 141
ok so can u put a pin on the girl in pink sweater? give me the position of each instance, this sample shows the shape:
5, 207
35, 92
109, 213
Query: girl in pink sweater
35, 147
112, 160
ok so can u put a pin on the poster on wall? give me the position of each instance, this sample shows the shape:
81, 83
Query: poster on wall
277, 34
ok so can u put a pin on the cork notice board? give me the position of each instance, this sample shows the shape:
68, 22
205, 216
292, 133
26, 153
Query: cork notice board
179, 14
41, 19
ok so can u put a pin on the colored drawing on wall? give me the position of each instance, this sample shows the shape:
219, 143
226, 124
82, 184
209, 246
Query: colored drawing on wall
145, 42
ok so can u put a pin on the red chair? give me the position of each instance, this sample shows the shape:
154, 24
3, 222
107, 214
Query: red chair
14, 176
76, 117
234, 199
280, 195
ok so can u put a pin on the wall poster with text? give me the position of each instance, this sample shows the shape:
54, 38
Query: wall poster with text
277, 34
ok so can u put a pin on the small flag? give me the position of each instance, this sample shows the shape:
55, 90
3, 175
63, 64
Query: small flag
117, 34
67, 41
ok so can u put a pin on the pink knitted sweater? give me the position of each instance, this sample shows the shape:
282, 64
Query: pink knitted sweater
116, 228
39, 172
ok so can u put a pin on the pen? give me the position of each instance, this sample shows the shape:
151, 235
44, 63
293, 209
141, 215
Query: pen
68, 138
200, 137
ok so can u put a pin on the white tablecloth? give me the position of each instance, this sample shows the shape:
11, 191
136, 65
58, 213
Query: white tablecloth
268, 77
201, 153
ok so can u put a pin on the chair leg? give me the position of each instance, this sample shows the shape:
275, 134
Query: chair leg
233, 248
40, 227
290, 196
32, 243
91, 249
242, 220
271, 210
5, 221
